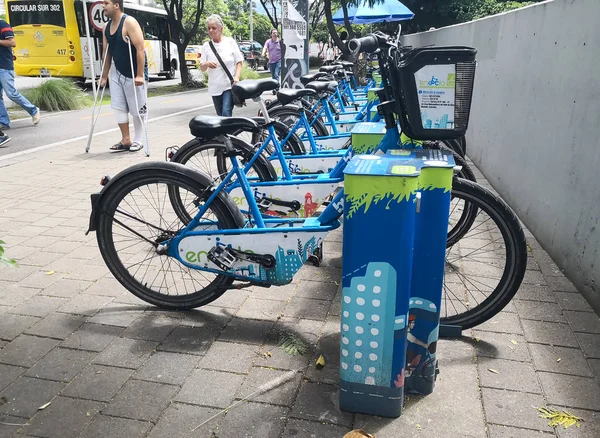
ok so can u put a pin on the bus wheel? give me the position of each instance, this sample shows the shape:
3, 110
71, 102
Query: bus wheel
173, 71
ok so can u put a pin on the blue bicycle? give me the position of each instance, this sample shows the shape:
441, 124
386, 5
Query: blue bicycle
177, 239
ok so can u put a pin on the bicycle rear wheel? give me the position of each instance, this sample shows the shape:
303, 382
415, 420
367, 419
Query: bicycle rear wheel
137, 224
291, 116
486, 256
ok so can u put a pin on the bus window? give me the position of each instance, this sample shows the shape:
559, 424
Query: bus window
49, 12
163, 29
80, 19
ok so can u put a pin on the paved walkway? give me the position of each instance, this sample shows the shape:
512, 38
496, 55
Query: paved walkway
112, 366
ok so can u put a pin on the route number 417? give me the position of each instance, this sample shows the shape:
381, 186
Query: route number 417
61, 52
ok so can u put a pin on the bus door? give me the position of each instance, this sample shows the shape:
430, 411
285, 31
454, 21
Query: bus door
96, 20
165, 38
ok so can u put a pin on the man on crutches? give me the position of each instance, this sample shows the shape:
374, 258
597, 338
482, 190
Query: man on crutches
128, 90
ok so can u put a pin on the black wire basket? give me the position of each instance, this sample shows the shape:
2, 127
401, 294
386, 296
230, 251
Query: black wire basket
436, 88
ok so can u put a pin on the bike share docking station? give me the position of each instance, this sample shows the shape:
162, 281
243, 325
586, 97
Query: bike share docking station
396, 211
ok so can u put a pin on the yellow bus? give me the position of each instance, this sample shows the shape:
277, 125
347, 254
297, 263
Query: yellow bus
52, 39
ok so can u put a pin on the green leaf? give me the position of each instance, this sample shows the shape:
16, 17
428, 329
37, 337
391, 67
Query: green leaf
292, 344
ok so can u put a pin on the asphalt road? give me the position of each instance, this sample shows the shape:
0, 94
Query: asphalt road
70, 125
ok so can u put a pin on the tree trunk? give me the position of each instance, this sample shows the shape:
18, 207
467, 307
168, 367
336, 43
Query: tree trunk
183, 69
331, 28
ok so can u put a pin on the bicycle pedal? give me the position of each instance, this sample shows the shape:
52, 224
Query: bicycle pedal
263, 204
222, 257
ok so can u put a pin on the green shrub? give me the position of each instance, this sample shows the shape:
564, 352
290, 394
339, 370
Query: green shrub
315, 62
196, 81
248, 73
57, 95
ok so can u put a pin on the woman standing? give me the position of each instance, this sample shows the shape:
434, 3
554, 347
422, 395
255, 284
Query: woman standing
223, 72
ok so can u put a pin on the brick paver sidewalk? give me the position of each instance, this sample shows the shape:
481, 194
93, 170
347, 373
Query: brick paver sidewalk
112, 366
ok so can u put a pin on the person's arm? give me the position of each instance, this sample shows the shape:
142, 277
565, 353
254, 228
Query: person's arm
265, 48
8, 36
136, 37
107, 60
238, 58
207, 64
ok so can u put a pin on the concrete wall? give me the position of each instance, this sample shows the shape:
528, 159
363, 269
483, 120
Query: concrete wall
535, 123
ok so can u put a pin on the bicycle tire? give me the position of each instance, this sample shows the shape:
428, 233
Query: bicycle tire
195, 147
515, 260
293, 145
289, 116
228, 217
463, 145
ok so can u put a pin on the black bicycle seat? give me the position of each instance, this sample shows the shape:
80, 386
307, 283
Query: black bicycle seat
212, 126
288, 95
330, 68
320, 86
305, 79
346, 64
251, 89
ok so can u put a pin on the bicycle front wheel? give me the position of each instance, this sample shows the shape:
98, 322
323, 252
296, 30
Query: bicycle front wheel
486, 257
136, 226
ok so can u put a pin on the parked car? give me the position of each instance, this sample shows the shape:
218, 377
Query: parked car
192, 56
252, 51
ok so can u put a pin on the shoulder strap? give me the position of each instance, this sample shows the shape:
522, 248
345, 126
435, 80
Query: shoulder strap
212, 47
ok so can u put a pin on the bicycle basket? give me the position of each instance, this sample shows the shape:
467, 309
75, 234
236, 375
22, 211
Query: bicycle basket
436, 86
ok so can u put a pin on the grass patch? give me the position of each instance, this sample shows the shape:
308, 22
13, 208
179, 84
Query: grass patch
57, 95
169, 89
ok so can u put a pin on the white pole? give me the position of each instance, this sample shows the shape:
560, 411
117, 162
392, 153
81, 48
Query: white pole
91, 49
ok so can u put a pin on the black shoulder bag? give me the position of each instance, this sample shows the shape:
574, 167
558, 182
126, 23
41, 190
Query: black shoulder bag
236, 100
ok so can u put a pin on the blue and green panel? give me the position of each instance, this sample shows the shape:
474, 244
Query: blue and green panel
431, 228
366, 136
379, 222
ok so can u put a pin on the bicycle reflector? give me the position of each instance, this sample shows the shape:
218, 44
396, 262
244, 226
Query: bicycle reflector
104, 180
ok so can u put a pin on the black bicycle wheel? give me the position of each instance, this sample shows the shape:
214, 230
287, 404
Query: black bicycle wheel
136, 224
293, 145
209, 158
463, 145
485, 267
289, 116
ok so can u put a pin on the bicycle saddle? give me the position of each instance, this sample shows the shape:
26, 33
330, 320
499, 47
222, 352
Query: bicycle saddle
305, 79
320, 86
330, 68
288, 95
346, 64
212, 126
251, 89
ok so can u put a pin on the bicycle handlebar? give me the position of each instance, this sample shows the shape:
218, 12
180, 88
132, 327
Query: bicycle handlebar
368, 44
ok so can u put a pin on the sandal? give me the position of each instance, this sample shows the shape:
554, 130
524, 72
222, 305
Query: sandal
120, 147
135, 147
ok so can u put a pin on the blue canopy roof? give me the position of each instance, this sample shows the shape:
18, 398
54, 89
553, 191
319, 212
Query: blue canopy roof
388, 10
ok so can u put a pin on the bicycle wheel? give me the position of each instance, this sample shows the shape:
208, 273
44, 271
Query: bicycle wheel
136, 220
463, 145
486, 259
209, 158
290, 116
293, 145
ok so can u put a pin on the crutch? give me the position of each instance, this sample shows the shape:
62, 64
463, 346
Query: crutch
137, 107
95, 114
